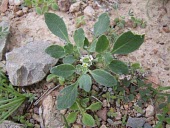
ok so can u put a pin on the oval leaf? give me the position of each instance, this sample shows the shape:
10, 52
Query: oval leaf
104, 78
88, 120
95, 106
127, 43
71, 118
63, 70
118, 67
67, 97
55, 51
68, 48
79, 38
102, 44
102, 25
57, 26
85, 82
51, 77
69, 59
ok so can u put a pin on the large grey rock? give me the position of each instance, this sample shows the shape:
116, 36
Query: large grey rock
146, 125
3, 39
135, 122
10, 124
29, 64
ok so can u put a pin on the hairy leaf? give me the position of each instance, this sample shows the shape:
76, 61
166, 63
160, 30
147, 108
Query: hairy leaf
57, 26
95, 106
55, 51
67, 97
71, 118
69, 59
85, 82
127, 43
104, 78
88, 120
79, 38
118, 67
102, 44
63, 70
102, 25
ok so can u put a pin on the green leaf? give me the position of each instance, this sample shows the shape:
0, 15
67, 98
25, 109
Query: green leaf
127, 43
92, 47
102, 44
102, 25
69, 59
55, 51
71, 118
51, 77
38, 10
88, 120
54, 6
118, 67
45, 9
57, 26
74, 107
85, 82
86, 43
63, 70
107, 57
84, 102
68, 48
67, 97
104, 78
95, 106
79, 38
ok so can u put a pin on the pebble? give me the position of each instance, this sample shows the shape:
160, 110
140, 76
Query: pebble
118, 116
103, 126
146, 125
18, 2
166, 29
135, 122
89, 11
25, 9
110, 121
168, 126
64, 5
126, 106
63, 111
11, 2
19, 13
149, 111
36, 117
102, 114
4, 6
37, 126
104, 103
75, 7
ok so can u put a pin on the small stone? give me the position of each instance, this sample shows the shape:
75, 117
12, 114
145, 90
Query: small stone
166, 29
19, 13
110, 121
11, 2
149, 111
102, 114
37, 126
126, 106
103, 126
64, 5
118, 104
18, 2
104, 103
168, 126
135, 122
4, 6
75, 7
146, 125
117, 123
36, 117
118, 116
89, 11
63, 111
150, 119
77, 126
25, 9
10, 124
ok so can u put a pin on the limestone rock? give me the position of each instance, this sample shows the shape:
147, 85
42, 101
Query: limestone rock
10, 124
75, 7
18, 2
4, 6
135, 122
29, 64
64, 5
146, 125
149, 111
4, 39
89, 11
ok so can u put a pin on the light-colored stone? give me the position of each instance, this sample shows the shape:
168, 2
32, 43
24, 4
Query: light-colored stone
29, 64
89, 11
102, 114
103, 126
18, 2
25, 9
4, 6
19, 13
168, 126
75, 7
4, 40
10, 124
11, 2
64, 5
135, 122
149, 111
118, 116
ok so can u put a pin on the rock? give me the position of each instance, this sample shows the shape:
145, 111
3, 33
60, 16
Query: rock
77, 126
146, 125
19, 13
102, 114
103, 126
11, 2
10, 124
118, 116
47, 104
36, 117
168, 126
166, 29
75, 7
4, 39
64, 5
110, 121
18, 2
4, 5
29, 64
149, 111
104, 103
89, 11
25, 9
135, 122
117, 123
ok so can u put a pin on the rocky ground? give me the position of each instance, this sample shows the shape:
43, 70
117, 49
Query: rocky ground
26, 26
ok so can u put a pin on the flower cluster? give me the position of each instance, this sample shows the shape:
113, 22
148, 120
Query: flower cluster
86, 60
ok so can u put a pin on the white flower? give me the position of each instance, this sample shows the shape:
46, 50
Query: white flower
128, 77
86, 60
85, 65
121, 77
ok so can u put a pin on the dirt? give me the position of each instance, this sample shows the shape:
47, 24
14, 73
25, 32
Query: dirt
154, 54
